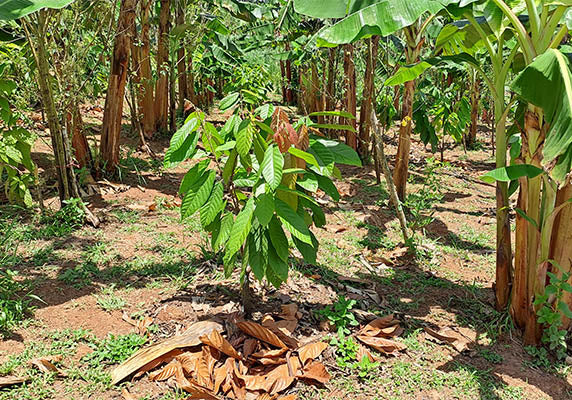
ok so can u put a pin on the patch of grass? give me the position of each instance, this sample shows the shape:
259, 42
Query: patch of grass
15, 300
126, 216
80, 276
114, 349
108, 300
491, 356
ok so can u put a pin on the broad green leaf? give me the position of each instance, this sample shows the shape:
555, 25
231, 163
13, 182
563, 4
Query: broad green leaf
183, 143
272, 166
343, 154
192, 176
278, 239
328, 187
309, 252
565, 309
309, 182
333, 126
547, 83
265, 111
264, 208
318, 215
343, 114
277, 268
195, 198
317, 8
213, 206
229, 167
293, 222
14, 9
226, 146
244, 138
412, 72
258, 253
222, 232
382, 18
239, 231
309, 158
511, 173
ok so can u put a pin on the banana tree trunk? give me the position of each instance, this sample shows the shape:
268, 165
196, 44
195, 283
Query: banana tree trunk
113, 111
350, 101
331, 83
560, 248
504, 246
367, 99
80, 145
475, 95
162, 85
527, 269
283, 81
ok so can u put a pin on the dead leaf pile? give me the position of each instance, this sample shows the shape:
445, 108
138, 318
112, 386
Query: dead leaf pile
256, 361
378, 335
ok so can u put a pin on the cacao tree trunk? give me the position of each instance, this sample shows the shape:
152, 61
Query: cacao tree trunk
289, 88
368, 102
182, 62
80, 145
162, 85
113, 111
401, 171
145, 91
350, 101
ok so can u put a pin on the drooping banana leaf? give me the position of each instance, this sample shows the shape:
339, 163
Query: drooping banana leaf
14, 9
382, 18
412, 72
547, 83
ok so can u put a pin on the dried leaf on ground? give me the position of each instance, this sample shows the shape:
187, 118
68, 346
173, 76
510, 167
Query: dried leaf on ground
6, 381
46, 364
315, 371
364, 352
386, 326
278, 379
258, 331
449, 336
168, 371
383, 345
249, 347
289, 311
164, 359
269, 353
311, 351
144, 324
189, 338
126, 395
281, 332
216, 340
205, 368
287, 326
189, 360
289, 397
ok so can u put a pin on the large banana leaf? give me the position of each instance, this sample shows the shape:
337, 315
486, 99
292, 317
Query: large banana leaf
547, 83
411, 72
14, 9
382, 18
333, 9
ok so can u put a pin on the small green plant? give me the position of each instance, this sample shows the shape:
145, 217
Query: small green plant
420, 204
340, 315
15, 300
267, 171
346, 350
108, 300
491, 356
114, 349
365, 366
550, 309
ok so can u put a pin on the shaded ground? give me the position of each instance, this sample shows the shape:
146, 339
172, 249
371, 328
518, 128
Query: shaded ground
143, 262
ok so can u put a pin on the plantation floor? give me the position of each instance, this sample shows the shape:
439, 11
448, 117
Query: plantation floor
143, 262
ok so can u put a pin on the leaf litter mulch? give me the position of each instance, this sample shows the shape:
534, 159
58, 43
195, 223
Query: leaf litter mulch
246, 360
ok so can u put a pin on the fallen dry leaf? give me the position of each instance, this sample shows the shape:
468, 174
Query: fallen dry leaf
287, 326
189, 360
289, 397
258, 331
311, 351
126, 395
189, 338
364, 352
164, 359
6, 381
289, 311
449, 336
144, 324
386, 326
216, 340
168, 371
383, 345
315, 371
205, 367
249, 347
269, 353
46, 364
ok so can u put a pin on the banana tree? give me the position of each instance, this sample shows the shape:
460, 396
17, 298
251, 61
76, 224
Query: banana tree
543, 202
362, 19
